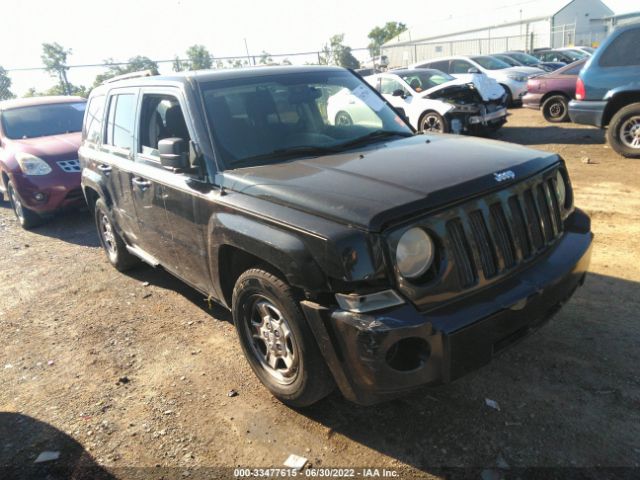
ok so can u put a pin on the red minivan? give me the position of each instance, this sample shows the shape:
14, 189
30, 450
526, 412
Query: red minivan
39, 168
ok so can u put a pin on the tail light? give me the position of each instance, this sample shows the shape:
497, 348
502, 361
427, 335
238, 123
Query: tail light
580, 93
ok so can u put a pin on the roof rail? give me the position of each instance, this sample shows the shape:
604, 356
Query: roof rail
127, 76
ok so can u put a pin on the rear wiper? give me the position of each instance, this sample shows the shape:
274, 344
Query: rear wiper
287, 153
375, 135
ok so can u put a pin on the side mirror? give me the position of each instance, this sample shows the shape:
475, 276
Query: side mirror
173, 153
398, 93
473, 70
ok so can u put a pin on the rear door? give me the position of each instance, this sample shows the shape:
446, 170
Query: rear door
115, 160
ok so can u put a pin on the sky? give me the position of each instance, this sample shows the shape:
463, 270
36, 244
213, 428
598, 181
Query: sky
161, 29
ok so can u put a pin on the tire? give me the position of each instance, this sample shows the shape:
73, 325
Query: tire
113, 245
28, 219
343, 119
555, 109
433, 122
509, 102
623, 133
265, 311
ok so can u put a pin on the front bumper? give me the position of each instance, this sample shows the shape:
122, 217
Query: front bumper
587, 112
532, 100
58, 191
453, 339
488, 117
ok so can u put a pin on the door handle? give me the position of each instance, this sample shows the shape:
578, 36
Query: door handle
141, 182
105, 168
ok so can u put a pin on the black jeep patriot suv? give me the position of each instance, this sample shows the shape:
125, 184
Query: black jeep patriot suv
361, 255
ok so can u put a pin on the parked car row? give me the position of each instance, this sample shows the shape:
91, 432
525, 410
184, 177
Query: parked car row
352, 254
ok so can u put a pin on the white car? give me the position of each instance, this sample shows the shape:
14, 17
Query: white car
430, 100
513, 79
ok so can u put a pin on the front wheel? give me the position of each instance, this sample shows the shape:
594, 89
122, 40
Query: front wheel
343, 119
111, 241
277, 341
555, 109
433, 122
27, 218
623, 133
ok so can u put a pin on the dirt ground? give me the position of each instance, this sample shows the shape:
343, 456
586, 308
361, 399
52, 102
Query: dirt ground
132, 379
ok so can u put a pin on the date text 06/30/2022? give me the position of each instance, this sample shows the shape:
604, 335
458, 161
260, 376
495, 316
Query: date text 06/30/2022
316, 472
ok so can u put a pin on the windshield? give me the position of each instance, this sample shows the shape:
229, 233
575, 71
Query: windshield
490, 63
43, 120
574, 54
525, 58
262, 119
424, 80
508, 60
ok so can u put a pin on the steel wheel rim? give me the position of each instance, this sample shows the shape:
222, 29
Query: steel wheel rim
432, 123
556, 110
630, 132
272, 342
106, 232
17, 204
343, 119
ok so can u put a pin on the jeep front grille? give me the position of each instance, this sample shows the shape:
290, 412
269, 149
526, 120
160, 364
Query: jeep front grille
497, 237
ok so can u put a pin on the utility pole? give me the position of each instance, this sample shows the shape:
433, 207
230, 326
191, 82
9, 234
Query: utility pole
246, 47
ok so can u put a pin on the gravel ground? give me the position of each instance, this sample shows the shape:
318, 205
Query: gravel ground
128, 375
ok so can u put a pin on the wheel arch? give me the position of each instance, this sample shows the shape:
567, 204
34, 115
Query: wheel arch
616, 101
238, 243
93, 188
553, 93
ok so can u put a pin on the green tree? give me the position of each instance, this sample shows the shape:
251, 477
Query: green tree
54, 56
134, 64
178, 65
381, 35
78, 90
265, 58
337, 53
5, 85
199, 58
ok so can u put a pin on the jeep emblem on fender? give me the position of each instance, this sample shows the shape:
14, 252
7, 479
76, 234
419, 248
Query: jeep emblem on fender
502, 176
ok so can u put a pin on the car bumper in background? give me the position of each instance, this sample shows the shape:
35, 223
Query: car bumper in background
587, 112
532, 100
488, 117
49, 193
376, 356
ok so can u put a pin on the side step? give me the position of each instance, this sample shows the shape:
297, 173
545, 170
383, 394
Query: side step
144, 256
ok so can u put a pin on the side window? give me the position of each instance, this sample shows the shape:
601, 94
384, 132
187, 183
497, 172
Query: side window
443, 66
623, 51
93, 120
460, 66
160, 117
121, 119
388, 86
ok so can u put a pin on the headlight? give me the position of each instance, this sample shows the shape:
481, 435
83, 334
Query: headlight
414, 253
32, 165
562, 190
517, 78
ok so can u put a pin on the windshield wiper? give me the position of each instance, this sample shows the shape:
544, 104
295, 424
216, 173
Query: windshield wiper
288, 153
373, 136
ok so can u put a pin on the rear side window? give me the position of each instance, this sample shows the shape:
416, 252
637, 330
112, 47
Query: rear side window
443, 66
93, 119
121, 120
623, 51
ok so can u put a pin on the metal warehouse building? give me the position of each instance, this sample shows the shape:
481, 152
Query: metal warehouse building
523, 26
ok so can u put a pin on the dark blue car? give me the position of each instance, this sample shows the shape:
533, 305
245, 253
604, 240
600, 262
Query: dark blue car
608, 91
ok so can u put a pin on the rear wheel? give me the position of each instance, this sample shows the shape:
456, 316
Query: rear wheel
433, 122
277, 341
111, 241
27, 218
556, 109
623, 133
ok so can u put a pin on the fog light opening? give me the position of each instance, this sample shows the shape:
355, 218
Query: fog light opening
39, 196
408, 354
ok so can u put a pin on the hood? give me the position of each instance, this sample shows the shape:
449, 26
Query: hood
55, 146
487, 87
381, 185
526, 71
